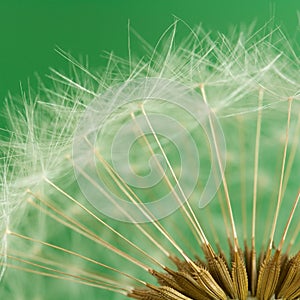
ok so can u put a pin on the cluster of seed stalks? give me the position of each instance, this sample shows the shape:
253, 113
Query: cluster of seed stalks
51, 227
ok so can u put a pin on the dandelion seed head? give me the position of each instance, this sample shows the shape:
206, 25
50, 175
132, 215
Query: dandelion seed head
131, 134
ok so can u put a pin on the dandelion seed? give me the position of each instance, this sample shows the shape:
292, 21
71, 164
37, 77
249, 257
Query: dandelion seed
174, 176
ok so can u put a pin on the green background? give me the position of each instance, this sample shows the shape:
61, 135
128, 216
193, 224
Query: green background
31, 29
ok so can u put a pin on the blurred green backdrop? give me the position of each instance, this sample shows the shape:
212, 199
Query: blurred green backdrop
31, 29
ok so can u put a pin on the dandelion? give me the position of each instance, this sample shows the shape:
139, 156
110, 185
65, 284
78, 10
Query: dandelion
172, 176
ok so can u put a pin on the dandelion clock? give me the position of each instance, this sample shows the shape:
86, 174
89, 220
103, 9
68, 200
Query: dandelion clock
170, 176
